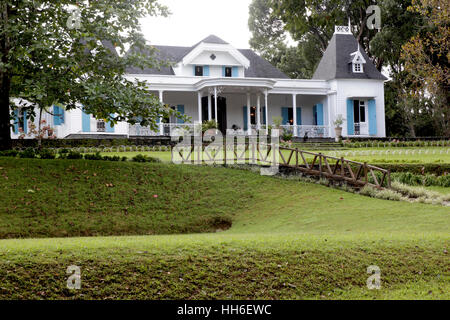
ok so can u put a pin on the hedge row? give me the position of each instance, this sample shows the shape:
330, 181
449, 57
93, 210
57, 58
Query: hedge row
31, 153
396, 144
438, 169
73, 143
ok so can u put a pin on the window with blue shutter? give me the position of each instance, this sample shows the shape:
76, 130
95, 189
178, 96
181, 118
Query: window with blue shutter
299, 116
25, 123
319, 114
285, 116
86, 121
263, 115
16, 121
108, 126
206, 71
372, 118
180, 109
350, 118
235, 72
245, 119
58, 115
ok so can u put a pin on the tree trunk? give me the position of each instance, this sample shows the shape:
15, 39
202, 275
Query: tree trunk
5, 129
5, 84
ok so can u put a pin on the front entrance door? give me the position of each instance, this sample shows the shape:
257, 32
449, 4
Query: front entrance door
221, 111
360, 118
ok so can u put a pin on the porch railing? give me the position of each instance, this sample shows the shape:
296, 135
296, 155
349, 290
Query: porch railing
164, 129
167, 129
308, 130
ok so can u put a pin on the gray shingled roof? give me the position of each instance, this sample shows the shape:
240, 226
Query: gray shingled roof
335, 63
259, 68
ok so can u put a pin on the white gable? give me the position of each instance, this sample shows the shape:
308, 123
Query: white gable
224, 51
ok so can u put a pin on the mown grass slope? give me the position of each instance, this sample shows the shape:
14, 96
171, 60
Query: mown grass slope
289, 240
226, 266
63, 198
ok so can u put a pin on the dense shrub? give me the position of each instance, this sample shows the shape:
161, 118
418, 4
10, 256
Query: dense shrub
28, 153
46, 154
142, 158
96, 156
9, 153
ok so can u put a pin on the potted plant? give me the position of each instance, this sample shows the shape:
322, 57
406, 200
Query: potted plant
338, 127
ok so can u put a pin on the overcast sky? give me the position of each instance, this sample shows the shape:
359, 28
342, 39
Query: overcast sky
194, 20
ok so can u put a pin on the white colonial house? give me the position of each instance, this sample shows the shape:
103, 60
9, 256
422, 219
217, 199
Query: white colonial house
213, 80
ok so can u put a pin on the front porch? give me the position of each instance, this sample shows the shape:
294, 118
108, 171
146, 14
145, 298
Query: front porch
298, 114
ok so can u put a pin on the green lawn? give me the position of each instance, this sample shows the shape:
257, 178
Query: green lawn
288, 240
370, 155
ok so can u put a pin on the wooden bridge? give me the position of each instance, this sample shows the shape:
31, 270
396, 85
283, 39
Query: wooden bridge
354, 173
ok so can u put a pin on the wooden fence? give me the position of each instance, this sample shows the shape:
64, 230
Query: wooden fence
314, 164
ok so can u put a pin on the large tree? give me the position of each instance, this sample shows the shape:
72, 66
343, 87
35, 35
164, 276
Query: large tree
52, 52
427, 57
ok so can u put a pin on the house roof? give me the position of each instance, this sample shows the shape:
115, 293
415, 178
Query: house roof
336, 61
259, 67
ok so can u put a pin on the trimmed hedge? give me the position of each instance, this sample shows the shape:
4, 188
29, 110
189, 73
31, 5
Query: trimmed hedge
75, 143
438, 169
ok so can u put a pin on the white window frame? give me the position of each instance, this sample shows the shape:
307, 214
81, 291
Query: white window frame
356, 66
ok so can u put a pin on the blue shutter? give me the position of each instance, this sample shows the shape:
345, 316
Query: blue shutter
194, 71
319, 110
16, 121
108, 126
180, 109
56, 116
25, 123
223, 71
206, 71
245, 119
372, 118
350, 118
235, 72
285, 115
62, 114
86, 122
299, 116
264, 115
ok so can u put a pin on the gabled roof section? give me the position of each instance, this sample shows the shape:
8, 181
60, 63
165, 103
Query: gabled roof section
337, 59
258, 67
214, 43
212, 39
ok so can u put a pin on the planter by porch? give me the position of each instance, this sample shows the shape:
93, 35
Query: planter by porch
338, 131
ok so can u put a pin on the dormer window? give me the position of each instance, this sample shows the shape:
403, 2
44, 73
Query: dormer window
228, 72
199, 71
357, 67
357, 60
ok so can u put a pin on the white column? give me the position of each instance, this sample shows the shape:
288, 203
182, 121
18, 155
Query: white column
258, 111
249, 117
200, 107
161, 125
215, 105
294, 105
266, 97
209, 107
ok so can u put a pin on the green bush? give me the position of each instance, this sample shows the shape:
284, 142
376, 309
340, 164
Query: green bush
96, 156
28, 153
46, 154
142, 158
9, 153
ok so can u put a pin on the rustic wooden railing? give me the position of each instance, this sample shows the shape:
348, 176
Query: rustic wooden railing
314, 164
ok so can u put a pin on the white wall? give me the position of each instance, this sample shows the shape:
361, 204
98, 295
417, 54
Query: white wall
372, 89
